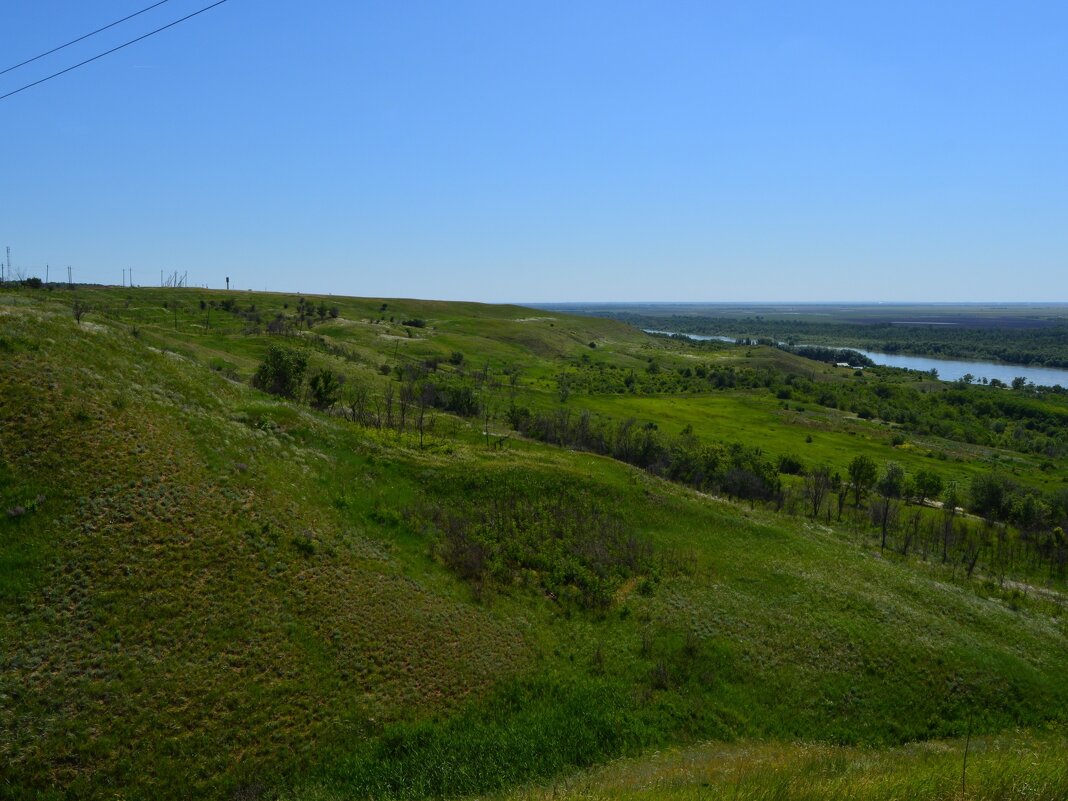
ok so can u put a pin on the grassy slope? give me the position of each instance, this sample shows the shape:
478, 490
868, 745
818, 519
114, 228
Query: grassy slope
219, 590
1012, 767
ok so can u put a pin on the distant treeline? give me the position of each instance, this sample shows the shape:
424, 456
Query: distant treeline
1043, 345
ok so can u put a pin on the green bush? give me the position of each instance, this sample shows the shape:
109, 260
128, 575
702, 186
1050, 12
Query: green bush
281, 372
324, 389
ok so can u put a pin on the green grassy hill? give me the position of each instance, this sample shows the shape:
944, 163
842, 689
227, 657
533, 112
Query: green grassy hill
209, 591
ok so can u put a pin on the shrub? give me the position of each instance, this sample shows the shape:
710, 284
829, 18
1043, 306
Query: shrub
456, 397
281, 372
790, 465
324, 389
566, 541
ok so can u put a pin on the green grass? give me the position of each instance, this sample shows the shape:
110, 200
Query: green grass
219, 592
1007, 768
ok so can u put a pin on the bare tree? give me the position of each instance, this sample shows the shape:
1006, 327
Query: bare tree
950, 502
487, 413
912, 530
79, 308
891, 485
388, 399
817, 485
883, 512
426, 400
407, 398
356, 402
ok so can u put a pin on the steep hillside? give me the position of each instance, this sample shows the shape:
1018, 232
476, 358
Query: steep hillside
207, 590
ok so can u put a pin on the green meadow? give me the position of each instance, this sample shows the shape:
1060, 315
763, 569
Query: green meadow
379, 591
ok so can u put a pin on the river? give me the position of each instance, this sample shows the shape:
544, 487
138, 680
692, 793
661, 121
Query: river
948, 369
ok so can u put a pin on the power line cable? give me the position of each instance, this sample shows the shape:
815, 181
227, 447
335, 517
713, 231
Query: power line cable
75, 41
112, 50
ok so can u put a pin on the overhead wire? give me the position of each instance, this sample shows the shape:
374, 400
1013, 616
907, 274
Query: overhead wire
80, 38
112, 50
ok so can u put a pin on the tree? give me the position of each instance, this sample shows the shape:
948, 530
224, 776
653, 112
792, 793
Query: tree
992, 495
862, 475
281, 372
890, 488
355, 399
927, 485
950, 502
426, 400
563, 387
324, 389
1030, 512
817, 485
79, 308
840, 490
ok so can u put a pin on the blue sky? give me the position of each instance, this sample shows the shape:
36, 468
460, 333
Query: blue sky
547, 151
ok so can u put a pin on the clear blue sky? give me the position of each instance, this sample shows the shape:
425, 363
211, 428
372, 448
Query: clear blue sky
548, 151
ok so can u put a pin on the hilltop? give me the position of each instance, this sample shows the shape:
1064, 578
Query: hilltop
373, 588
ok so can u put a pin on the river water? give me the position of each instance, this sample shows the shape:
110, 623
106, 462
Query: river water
948, 369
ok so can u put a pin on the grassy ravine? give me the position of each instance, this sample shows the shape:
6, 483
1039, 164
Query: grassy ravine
206, 591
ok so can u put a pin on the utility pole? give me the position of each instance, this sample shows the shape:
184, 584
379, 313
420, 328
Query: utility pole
227, 283
70, 280
46, 273
2, 275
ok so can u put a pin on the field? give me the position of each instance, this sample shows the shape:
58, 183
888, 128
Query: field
210, 590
